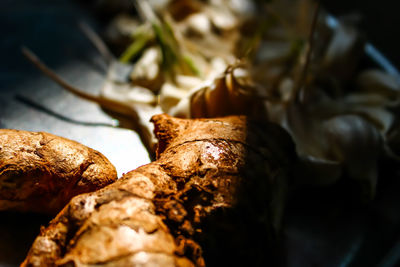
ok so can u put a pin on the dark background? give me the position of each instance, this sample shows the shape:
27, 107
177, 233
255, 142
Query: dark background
380, 22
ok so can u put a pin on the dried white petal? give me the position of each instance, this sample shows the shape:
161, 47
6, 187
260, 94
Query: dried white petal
379, 82
358, 144
199, 23
148, 66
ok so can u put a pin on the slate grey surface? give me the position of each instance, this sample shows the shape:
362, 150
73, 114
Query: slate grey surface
49, 28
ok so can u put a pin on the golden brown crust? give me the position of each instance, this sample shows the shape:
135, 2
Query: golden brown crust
41, 172
210, 187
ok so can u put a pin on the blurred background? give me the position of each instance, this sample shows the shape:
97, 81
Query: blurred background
379, 20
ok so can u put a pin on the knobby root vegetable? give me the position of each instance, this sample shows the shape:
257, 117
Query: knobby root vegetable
213, 196
41, 172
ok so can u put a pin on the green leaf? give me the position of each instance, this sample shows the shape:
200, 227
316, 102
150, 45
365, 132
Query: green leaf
135, 48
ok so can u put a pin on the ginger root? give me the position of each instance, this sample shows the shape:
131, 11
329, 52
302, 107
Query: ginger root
41, 172
209, 198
